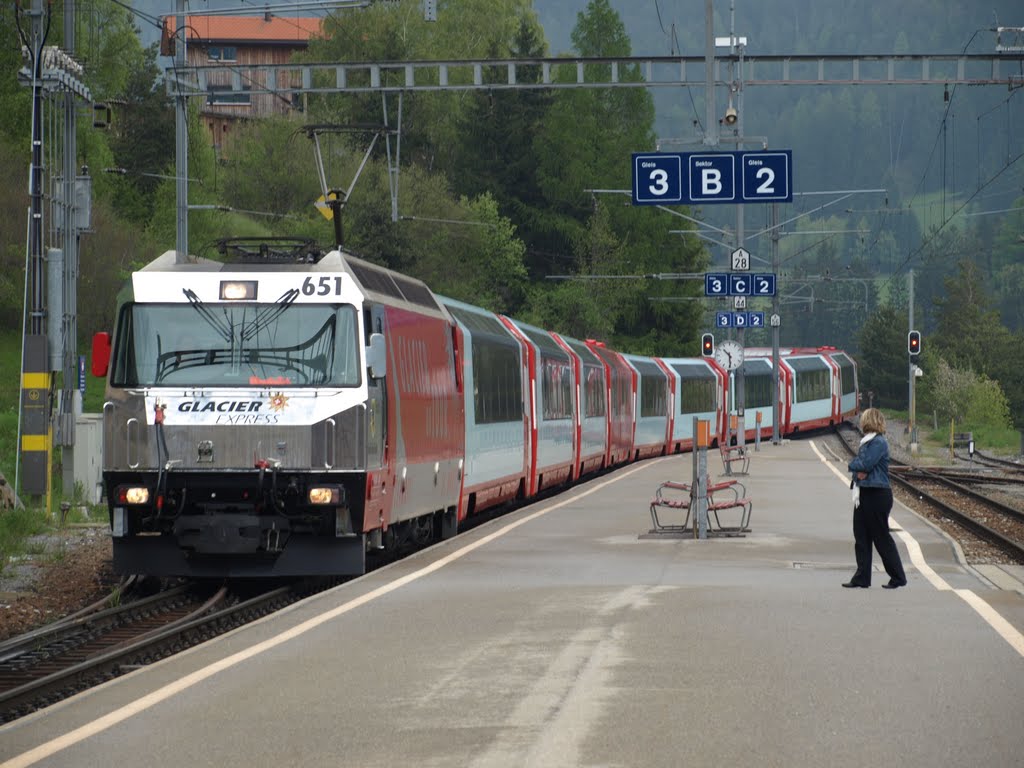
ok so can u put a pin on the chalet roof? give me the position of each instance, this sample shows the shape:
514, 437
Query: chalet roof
247, 29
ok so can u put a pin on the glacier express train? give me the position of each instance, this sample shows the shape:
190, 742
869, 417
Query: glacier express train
284, 415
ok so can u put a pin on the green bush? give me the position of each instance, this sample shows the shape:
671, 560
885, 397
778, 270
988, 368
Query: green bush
970, 400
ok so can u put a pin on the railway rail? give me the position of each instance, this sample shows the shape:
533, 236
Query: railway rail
1013, 467
59, 660
991, 520
977, 476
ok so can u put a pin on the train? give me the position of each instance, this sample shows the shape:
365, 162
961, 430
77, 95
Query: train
289, 412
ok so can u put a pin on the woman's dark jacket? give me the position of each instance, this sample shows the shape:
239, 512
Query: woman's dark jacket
873, 458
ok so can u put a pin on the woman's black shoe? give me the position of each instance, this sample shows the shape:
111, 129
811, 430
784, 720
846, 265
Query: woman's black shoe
852, 584
894, 584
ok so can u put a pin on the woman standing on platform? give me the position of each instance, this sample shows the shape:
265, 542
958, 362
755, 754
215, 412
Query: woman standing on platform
872, 502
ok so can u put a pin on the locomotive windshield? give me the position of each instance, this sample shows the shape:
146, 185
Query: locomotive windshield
237, 345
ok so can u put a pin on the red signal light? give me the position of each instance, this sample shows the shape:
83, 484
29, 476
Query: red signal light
707, 345
914, 342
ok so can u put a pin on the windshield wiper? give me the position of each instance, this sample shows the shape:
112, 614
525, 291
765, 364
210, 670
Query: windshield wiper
268, 314
220, 325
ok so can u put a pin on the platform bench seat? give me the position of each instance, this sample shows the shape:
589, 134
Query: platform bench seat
722, 496
730, 495
671, 495
733, 454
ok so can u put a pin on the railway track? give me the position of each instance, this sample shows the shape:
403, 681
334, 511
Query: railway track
54, 662
997, 523
1010, 467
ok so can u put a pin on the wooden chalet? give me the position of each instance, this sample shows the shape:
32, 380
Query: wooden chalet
245, 40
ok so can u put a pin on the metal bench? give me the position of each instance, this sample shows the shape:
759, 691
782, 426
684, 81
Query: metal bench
731, 454
672, 495
728, 494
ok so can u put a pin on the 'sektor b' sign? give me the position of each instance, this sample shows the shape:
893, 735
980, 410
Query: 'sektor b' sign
689, 178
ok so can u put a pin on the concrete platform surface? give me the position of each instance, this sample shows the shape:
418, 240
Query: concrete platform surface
560, 636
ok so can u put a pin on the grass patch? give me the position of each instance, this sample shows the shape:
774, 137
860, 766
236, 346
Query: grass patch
998, 440
17, 526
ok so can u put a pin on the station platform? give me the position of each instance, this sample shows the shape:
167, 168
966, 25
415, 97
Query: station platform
562, 635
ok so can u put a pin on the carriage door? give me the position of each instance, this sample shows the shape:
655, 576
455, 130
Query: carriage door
376, 400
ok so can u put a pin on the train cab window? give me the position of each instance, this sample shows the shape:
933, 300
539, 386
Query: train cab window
236, 345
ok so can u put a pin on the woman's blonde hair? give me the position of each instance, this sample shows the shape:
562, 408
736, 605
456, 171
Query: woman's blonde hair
872, 420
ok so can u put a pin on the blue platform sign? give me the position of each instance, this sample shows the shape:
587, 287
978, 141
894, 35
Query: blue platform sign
690, 178
711, 177
716, 284
756, 319
763, 285
740, 284
723, 319
766, 177
657, 179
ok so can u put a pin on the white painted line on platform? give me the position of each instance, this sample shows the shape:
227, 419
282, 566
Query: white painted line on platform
71, 738
991, 616
1005, 629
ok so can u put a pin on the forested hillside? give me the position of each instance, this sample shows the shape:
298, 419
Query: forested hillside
494, 188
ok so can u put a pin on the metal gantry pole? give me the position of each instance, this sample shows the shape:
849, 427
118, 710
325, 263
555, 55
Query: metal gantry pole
34, 417
181, 135
68, 222
710, 118
912, 421
775, 325
735, 48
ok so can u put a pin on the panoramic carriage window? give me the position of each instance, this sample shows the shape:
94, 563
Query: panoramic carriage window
594, 392
653, 397
757, 383
812, 377
593, 377
497, 376
622, 390
497, 386
556, 375
698, 390
236, 345
556, 388
847, 375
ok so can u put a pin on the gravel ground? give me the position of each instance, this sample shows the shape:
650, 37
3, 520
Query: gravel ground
67, 570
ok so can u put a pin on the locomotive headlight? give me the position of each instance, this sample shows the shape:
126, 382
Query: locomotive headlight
133, 495
238, 290
328, 494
